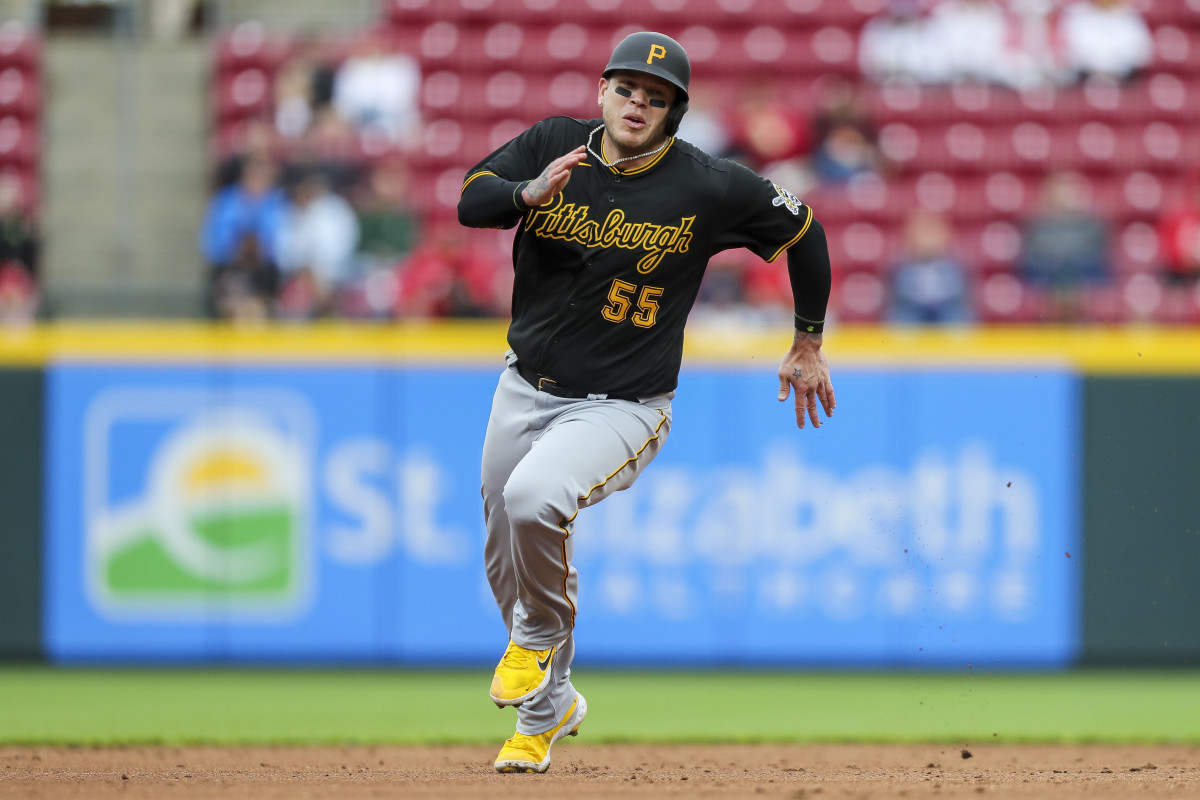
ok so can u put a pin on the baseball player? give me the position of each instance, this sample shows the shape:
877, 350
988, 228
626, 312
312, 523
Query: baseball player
617, 221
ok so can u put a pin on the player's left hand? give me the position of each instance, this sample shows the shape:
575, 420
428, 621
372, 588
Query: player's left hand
805, 369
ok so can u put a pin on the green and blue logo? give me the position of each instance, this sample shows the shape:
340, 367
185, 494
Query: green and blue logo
219, 517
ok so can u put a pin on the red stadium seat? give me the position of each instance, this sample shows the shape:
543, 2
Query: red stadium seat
405, 13
1135, 248
501, 47
861, 297
1162, 145
863, 246
30, 187
989, 246
20, 94
591, 13
1171, 98
552, 49
249, 46
243, 94
19, 144
1180, 306
1002, 298
1176, 50
19, 48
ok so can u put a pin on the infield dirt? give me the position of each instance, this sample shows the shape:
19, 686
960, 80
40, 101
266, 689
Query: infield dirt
582, 771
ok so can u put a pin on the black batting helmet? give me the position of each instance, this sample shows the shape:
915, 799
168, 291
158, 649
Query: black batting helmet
661, 56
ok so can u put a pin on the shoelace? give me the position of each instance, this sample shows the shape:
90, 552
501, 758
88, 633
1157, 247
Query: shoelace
514, 658
523, 742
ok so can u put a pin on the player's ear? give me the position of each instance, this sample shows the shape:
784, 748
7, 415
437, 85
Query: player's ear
600, 91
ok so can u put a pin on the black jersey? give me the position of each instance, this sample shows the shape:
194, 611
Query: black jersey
607, 272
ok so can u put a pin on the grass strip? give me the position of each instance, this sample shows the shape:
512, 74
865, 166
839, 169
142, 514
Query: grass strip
70, 706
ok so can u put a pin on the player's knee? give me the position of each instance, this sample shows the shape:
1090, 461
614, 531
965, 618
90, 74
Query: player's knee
528, 501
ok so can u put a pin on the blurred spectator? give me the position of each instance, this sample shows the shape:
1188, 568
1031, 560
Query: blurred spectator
928, 284
376, 91
1179, 237
253, 208
303, 88
961, 41
447, 276
844, 136
895, 45
316, 249
703, 126
19, 246
244, 289
330, 147
255, 140
1035, 57
386, 220
974, 38
1065, 246
764, 130
1104, 38
388, 232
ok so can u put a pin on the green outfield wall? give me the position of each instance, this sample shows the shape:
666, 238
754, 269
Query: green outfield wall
1142, 520
1139, 419
21, 411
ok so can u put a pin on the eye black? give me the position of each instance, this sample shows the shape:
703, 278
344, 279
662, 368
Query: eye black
654, 101
624, 92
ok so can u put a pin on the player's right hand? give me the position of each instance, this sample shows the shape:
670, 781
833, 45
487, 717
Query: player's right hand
553, 178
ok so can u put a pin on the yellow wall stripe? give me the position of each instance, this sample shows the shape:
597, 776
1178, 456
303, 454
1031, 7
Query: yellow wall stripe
1098, 350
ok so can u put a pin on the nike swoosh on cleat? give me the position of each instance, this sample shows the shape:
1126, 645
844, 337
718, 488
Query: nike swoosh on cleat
543, 664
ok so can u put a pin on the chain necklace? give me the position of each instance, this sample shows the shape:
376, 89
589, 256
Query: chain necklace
608, 163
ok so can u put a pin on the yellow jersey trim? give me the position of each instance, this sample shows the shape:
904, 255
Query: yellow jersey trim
470, 178
562, 526
627, 462
644, 167
795, 238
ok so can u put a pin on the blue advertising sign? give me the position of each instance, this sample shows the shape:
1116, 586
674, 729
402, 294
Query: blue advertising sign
320, 514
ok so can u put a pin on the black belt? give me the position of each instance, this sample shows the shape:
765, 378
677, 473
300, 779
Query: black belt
549, 386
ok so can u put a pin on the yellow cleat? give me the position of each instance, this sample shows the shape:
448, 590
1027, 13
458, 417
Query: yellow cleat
521, 674
525, 753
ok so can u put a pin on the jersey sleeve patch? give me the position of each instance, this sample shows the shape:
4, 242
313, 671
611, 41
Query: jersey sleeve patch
786, 199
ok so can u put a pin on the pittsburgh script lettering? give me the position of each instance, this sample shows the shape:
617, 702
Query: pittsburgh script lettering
570, 222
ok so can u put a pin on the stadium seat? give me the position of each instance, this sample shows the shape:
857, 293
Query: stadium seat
1135, 248
860, 297
243, 94
1002, 298
20, 94
405, 13
443, 93
1161, 145
248, 46
551, 49
19, 48
1180, 306
18, 143
988, 246
1173, 99
1176, 50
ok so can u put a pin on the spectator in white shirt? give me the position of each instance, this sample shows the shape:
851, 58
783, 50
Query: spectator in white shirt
316, 249
895, 45
976, 39
375, 90
1104, 38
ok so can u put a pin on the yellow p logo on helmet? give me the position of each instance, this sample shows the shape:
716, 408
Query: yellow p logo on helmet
656, 51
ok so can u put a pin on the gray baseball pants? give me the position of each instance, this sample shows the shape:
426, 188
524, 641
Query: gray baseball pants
544, 458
